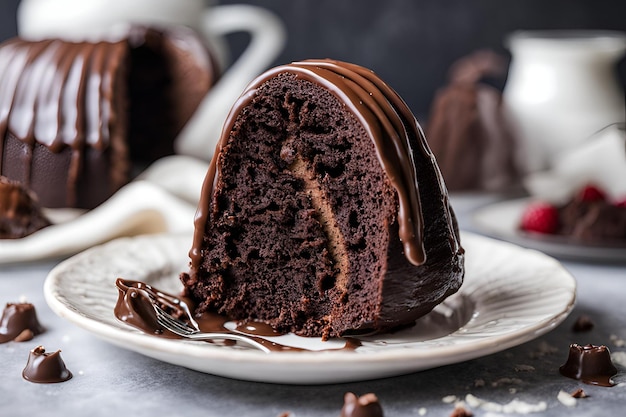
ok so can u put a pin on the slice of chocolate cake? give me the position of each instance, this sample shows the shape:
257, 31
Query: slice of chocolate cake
75, 116
323, 211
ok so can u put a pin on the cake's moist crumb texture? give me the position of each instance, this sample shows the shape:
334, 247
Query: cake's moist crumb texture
301, 225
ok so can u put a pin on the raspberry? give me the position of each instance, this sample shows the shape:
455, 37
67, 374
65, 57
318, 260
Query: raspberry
540, 217
590, 193
620, 203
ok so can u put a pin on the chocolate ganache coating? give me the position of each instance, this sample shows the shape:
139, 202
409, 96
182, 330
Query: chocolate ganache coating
19, 322
326, 161
73, 114
20, 213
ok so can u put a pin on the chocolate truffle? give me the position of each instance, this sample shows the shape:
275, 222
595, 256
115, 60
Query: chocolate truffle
19, 322
75, 117
323, 212
45, 368
20, 213
589, 364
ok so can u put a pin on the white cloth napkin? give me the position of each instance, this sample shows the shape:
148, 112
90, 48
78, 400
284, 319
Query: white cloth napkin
163, 199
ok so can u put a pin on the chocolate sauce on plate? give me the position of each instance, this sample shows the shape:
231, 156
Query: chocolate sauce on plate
45, 368
135, 307
590, 364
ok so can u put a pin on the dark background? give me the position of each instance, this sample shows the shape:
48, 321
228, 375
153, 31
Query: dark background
411, 43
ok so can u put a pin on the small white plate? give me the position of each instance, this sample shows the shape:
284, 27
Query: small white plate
501, 220
510, 295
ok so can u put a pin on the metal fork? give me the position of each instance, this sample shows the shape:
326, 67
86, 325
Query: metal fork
182, 329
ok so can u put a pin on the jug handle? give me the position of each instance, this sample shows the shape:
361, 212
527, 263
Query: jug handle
267, 38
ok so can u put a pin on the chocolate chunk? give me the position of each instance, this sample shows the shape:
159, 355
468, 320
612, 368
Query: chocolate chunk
582, 324
45, 367
589, 364
579, 393
364, 406
16, 319
461, 412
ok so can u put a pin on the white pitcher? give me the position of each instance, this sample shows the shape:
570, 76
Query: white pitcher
92, 19
561, 89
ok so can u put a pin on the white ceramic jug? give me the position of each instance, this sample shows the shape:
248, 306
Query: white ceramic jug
561, 89
93, 19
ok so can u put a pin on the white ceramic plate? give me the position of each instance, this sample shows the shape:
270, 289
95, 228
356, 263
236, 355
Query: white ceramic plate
500, 220
510, 295
163, 199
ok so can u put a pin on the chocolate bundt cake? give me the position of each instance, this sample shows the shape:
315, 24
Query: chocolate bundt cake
323, 211
20, 213
468, 130
75, 116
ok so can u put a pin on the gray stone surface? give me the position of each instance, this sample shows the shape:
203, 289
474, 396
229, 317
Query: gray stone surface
109, 380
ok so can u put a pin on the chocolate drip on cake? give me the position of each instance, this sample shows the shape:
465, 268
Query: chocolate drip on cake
323, 211
61, 115
73, 114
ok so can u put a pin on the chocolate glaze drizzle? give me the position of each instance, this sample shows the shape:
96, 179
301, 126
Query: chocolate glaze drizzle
388, 121
57, 94
134, 307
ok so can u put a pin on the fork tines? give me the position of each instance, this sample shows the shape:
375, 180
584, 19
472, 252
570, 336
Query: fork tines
172, 323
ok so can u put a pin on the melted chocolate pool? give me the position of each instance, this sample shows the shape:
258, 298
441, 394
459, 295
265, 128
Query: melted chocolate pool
135, 307
589, 364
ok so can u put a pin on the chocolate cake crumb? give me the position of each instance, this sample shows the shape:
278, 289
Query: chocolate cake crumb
579, 393
460, 411
617, 341
364, 406
582, 324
